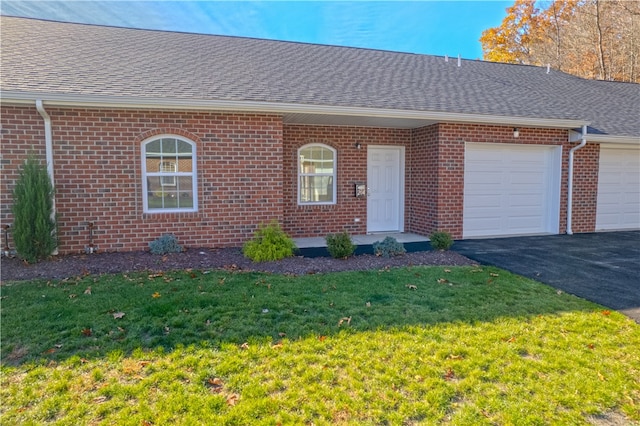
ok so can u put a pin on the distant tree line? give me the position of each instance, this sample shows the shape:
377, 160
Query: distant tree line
594, 39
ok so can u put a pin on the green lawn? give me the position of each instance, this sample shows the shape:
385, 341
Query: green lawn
417, 345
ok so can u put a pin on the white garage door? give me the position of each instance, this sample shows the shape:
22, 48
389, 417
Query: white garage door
618, 189
511, 189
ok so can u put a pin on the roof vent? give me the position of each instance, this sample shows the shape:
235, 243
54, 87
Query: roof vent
459, 60
446, 58
548, 68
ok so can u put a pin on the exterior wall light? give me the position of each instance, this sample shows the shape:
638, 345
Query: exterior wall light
516, 132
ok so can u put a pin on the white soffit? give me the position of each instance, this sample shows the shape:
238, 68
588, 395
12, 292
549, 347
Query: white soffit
357, 121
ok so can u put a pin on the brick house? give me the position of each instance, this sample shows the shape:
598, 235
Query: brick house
148, 132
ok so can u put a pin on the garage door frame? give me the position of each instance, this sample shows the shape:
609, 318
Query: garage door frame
603, 223
551, 193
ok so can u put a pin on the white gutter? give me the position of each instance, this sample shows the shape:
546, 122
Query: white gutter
583, 142
48, 141
109, 101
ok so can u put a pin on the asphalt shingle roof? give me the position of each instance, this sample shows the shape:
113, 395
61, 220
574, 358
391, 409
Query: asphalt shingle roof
61, 58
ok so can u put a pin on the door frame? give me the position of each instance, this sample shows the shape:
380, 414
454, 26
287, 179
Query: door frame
401, 185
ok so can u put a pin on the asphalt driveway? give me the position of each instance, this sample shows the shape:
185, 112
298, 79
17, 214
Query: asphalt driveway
600, 267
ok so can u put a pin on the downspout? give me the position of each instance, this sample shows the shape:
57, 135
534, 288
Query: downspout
48, 140
583, 142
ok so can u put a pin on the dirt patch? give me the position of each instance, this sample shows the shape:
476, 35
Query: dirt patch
61, 267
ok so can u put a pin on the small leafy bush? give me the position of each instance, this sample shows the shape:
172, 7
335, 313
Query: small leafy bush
34, 229
168, 243
441, 240
340, 245
389, 247
269, 243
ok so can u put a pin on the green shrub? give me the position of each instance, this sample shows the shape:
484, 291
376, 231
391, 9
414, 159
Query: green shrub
168, 243
388, 247
34, 228
339, 245
441, 240
269, 242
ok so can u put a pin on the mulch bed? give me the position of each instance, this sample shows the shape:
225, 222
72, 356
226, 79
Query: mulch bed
61, 267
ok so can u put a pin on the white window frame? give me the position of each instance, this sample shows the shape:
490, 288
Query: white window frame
159, 173
333, 175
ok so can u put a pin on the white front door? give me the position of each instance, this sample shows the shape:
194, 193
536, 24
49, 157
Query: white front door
385, 186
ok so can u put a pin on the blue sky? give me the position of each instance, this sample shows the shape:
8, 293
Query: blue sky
431, 27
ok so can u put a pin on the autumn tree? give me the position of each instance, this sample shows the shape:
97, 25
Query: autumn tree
590, 38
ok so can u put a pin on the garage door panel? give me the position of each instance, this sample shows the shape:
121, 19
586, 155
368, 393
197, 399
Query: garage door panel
516, 197
618, 189
526, 201
491, 201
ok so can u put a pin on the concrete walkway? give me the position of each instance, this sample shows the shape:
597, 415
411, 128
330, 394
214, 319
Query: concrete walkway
600, 267
362, 240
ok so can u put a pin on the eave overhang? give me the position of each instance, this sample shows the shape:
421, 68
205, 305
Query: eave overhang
292, 113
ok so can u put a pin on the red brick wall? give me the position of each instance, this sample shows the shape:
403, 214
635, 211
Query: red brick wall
449, 184
247, 174
98, 174
586, 164
318, 221
423, 205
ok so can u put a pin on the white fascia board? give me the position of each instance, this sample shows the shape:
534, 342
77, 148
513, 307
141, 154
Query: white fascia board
92, 101
612, 139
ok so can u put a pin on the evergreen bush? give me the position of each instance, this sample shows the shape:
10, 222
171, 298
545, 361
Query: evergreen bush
167, 243
269, 243
441, 240
388, 247
340, 245
34, 228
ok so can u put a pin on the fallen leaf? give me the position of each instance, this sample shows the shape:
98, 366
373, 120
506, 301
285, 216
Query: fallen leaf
411, 287
277, 345
233, 399
442, 281
86, 332
559, 292
606, 313
281, 334
368, 304
88, 291
215, 384
494, 275
156, 295
159, 274
245, 345
71, 296
343, 320
322, 338
455, 357
449, 374
591, 346
118, 315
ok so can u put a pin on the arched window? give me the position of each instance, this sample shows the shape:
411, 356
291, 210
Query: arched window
169, 175
316, 174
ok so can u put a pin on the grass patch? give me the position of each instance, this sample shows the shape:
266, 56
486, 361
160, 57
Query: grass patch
418, 345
